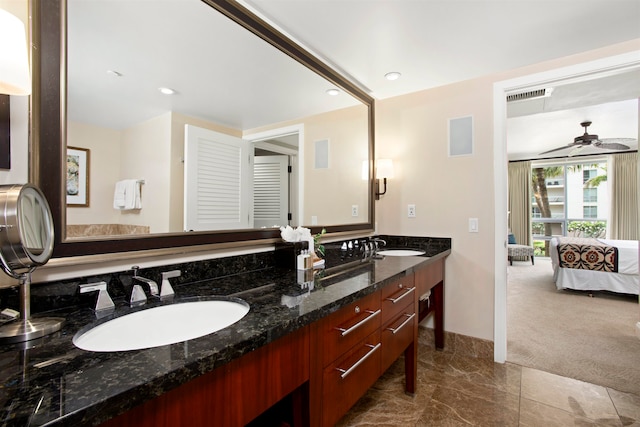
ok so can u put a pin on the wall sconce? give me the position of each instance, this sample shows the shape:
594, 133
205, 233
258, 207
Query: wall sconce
14, 60
384, 170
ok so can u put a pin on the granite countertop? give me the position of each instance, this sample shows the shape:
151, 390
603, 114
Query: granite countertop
51, 382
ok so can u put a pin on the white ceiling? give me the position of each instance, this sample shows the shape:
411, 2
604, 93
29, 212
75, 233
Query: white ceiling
438, 42
431, 42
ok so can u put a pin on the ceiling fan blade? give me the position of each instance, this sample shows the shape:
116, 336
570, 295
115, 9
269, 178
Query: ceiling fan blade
558, 149
576, 150
612, 146
618, 140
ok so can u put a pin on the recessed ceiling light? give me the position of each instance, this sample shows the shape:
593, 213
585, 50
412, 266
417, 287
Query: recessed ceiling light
393, 75
114, 73
166, 90
333, 92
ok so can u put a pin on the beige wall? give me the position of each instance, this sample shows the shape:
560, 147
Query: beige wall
104, 171
330, 193
412, 130
341, 184
447, 191
145, 155
139, 152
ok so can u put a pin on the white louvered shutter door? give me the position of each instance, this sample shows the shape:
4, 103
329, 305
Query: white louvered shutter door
218, 181
270, 191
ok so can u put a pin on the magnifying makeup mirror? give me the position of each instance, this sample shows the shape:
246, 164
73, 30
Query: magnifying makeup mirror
26, 242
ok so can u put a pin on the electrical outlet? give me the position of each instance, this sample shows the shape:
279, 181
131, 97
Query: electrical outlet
411, 211
354, 210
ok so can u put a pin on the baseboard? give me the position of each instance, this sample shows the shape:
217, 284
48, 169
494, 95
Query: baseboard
457, 343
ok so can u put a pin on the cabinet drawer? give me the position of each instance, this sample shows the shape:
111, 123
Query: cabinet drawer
397, 334
349, 325
396, 296
349, 377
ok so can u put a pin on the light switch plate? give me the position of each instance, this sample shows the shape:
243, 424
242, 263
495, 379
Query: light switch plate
411, 211
473, 225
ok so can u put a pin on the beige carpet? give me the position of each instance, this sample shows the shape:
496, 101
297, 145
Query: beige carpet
570, 334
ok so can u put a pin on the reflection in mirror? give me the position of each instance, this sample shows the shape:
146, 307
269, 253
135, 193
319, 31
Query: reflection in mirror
251, 90
35, 224
214, 175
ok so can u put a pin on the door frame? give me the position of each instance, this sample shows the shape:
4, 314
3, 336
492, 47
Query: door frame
574, 73
296, 193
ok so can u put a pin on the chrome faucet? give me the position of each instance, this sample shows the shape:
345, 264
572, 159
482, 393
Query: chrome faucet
153, 286
375, 245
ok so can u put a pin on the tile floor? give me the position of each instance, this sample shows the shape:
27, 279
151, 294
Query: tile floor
459, 390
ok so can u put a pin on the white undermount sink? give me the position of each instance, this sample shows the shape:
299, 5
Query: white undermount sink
400, 252
162, 325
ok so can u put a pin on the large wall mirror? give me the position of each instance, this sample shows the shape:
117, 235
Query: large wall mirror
102, 129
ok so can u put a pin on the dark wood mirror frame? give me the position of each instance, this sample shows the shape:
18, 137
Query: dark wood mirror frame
48, 130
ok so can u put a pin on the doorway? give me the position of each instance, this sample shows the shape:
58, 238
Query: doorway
578, 72
285, 142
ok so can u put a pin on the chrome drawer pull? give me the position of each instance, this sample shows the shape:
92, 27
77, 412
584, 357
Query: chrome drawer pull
409, 317
401, 296
360, 323
346, 372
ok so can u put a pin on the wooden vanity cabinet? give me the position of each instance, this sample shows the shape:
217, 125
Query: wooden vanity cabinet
323, 369
352, 347
233, 394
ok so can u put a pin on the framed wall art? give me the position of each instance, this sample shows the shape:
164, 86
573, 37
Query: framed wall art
77, 177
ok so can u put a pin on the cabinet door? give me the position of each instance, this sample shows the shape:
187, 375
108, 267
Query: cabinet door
349, 377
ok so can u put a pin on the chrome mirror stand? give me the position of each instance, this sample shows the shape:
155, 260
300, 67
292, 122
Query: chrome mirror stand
26, 242
27, 328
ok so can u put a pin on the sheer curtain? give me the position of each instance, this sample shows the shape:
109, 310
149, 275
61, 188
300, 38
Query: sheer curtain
520, 201
623, 173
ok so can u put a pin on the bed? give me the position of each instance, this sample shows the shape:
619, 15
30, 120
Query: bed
595, 264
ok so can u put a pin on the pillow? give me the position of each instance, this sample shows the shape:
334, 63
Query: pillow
512, 239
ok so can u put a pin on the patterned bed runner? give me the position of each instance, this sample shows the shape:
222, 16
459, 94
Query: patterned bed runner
587, 254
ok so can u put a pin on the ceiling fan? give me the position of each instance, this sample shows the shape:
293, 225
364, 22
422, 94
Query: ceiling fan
582, 141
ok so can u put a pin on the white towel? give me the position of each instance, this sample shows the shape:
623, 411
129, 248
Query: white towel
127, 195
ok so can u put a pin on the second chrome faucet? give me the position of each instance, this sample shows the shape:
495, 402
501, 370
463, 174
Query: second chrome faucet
138, 294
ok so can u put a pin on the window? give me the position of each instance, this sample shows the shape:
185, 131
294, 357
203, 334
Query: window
590, 212
590, 195
535, 212
562, 205
587, 174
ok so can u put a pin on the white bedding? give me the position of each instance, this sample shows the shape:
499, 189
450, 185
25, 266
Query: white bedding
626, 280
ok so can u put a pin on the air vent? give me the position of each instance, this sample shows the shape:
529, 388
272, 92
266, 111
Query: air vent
533, 94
